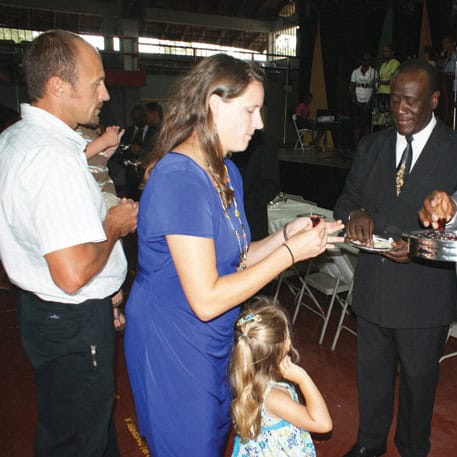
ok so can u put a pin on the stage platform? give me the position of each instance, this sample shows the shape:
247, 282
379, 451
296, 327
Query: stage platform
318, 176
329, 158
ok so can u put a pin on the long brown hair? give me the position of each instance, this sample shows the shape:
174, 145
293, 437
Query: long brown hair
189, 111
262, 340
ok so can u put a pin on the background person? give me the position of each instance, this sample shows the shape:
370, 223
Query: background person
154, 118
61, 247
362, 86
101, 145
447, 65
428, 54
269, 419
196, 262
382, 117
448, 54
124, 164
304, 120
396, 326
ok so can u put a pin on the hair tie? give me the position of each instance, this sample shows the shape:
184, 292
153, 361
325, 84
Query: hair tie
248, 318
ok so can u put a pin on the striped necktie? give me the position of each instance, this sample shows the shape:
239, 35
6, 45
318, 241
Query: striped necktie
405, 164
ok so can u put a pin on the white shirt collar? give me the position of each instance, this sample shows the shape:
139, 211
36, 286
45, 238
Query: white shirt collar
52, 123
419, 141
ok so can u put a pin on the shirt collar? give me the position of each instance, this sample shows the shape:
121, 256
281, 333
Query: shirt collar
419, 138
419, 141
50, 122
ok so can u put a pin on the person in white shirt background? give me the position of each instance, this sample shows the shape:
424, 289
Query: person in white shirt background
364, 80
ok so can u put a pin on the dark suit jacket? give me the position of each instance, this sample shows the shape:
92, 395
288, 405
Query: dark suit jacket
129, 136
421, 293
150, 137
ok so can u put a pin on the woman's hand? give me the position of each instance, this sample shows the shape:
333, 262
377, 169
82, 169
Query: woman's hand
296, 225
311, 241
334, 227
308, 243
304, 223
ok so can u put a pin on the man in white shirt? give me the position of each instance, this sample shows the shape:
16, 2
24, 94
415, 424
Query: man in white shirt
61, 247
364, 80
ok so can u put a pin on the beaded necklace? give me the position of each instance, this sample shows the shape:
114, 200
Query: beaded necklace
240, 237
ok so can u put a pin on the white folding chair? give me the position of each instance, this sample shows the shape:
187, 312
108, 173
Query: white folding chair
328, 281
345, 303
452, 333
292, 278
345, 263
299, 198
335, 280
299, 145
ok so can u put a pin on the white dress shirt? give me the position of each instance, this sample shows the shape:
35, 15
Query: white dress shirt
418, 144
50, 201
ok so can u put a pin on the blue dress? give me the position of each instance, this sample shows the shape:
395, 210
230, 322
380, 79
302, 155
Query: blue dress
277, 437
178, 364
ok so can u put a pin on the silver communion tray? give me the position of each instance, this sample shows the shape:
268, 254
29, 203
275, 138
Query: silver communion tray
433, 245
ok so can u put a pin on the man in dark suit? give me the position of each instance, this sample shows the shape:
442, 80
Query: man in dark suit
404, 306
154, 117
134, 133
130, 156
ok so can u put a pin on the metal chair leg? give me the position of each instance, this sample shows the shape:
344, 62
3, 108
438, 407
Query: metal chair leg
329, 310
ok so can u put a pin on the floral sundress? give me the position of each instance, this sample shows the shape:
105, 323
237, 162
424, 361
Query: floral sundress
277, 438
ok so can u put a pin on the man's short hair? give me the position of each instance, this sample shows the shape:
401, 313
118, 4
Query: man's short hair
53, 53
420, 65
155, 107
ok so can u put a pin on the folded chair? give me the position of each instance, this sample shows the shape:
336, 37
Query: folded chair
452, 333
333, 279
299, 145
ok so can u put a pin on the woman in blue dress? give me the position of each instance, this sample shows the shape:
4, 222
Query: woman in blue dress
196, 263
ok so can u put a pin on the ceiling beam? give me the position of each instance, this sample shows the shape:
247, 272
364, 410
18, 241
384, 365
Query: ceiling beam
91, 7
213, 21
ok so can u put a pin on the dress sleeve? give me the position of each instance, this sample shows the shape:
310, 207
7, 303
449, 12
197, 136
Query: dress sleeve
180, 202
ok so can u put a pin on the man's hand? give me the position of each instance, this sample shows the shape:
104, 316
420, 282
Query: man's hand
122, 218
437, 205
360, 227
399, 252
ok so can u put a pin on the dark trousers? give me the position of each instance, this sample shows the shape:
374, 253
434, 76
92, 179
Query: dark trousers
71, 348
380, 351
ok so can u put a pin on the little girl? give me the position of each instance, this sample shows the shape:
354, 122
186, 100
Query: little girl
269, 421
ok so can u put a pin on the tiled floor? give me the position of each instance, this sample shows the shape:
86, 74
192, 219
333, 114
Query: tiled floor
334, 373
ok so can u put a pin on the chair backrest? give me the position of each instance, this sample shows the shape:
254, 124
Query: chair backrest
299, 133
341, 263
294, 120
346, 265
453, 330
